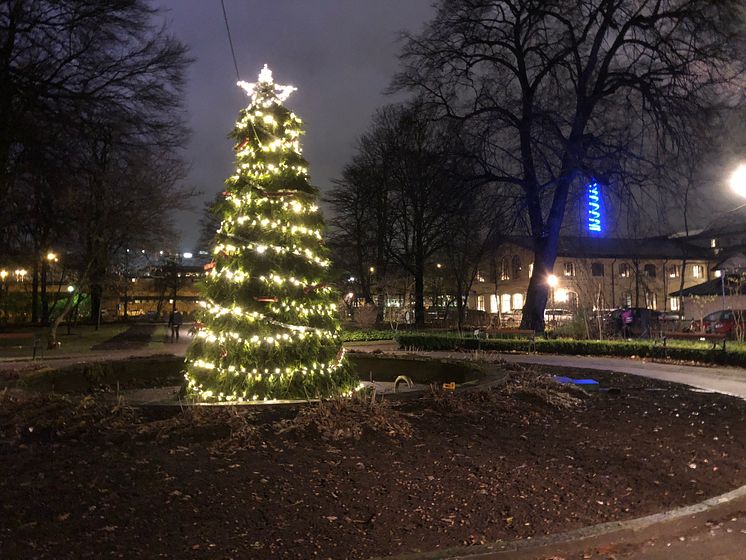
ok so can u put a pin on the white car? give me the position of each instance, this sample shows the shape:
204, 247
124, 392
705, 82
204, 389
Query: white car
557, 316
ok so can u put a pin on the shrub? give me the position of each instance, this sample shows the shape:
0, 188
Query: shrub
367, 335
641, 348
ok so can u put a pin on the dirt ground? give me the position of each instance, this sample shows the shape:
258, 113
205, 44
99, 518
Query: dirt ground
88, 477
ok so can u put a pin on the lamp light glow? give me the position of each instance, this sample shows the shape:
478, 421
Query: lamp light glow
737, 180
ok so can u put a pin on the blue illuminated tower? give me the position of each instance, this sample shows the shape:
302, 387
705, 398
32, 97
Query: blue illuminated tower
594, 212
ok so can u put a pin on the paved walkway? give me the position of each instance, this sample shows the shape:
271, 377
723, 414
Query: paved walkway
52, 360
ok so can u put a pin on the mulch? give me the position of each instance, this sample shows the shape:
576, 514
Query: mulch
89, 477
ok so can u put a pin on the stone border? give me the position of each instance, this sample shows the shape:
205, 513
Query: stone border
584, 533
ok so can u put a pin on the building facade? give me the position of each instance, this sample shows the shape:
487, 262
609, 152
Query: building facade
593, 274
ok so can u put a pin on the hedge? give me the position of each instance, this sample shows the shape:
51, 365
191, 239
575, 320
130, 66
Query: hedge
367, 334
640, 348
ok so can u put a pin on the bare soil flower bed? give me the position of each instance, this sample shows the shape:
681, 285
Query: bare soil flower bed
90, 477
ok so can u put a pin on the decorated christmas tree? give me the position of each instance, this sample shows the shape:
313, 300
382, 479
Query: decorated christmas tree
270, 327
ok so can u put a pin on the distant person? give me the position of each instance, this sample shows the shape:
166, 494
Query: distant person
175, 320
627, 318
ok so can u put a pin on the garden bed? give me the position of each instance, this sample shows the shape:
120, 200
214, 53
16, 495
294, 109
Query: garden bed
85, 477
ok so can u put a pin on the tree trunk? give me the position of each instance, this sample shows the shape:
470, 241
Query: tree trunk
538, 288
419, 292
96, 293
44, 296
35, 290
52, 338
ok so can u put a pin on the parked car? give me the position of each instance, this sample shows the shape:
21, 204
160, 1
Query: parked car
558, 316
645, 323
726, 321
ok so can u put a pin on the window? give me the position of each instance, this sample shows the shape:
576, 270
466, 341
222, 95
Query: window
517, 301
504, 272
674, 271
698, 271
480, 303
651, 300
597, 269
626, 299
515, 265
649, 271
624, 270
572, 300
674, 304
569, 269
530, 270
713, 243
505, 303
493, 303
395, 301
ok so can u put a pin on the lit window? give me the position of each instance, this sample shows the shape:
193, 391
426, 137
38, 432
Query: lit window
517, 301
569, 269
504, 272
624, 270
673, 304
493, 303
674, 271
480, 303
530, 270
505, 303
651, 300
713, 243
698, 271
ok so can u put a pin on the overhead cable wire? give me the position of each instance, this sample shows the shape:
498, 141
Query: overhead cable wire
230, 40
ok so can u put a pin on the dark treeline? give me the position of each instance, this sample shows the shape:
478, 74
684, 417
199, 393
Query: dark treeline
90, 126
413, 203
522, 103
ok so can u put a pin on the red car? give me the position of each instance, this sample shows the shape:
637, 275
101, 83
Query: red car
728, 321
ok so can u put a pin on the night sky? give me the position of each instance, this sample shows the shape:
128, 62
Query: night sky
340, 54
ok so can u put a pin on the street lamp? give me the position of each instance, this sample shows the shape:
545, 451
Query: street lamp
4, 288
738, 180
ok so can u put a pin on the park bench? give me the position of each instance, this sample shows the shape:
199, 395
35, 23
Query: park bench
717, 340
22, 336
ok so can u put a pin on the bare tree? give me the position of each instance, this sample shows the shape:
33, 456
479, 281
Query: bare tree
93, 90
562, 91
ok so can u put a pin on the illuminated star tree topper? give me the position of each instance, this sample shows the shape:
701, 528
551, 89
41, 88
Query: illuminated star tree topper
265, 84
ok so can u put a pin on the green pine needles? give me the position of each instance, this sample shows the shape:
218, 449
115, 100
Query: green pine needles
270, 327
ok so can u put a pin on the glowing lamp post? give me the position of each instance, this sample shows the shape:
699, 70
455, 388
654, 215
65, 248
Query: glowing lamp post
737, 180
4, 288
